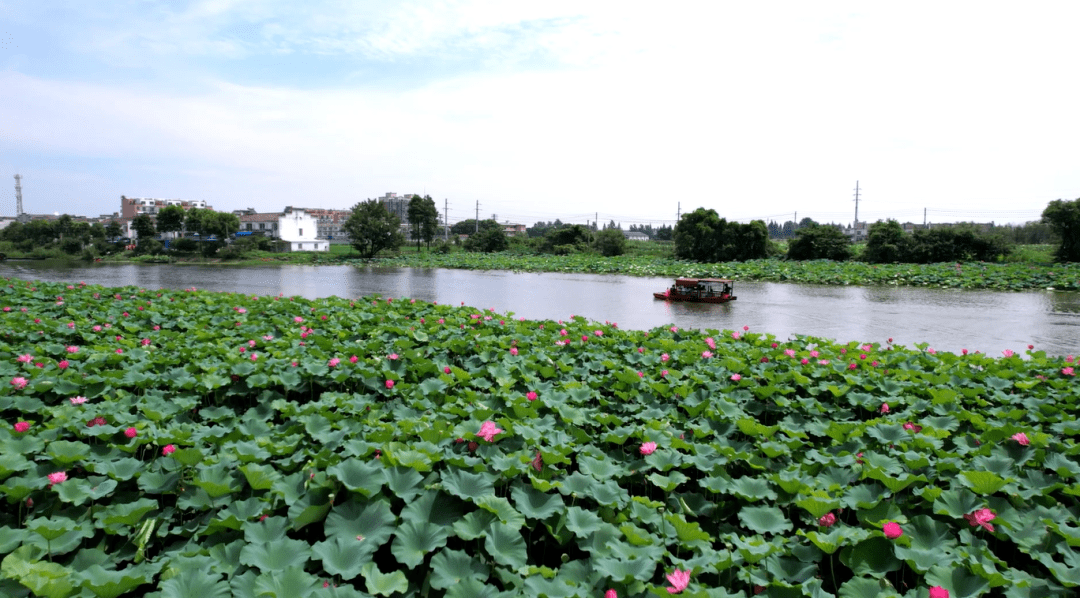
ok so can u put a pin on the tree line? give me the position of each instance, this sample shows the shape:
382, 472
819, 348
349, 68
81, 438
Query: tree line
702, 235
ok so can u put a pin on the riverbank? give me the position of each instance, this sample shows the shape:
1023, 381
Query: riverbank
393, 446
999, 277
1007, 276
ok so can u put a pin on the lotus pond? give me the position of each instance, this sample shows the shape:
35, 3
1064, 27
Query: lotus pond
999, 277
193, 444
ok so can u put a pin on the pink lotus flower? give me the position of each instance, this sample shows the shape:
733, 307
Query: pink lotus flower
598, 332
892, 530
389, 384
19, 382
674, 329
735, 335
538, 462
824, 362
71, 324
531, 395
665, 357
21, 427
334, 362
392, 356
647, 448
1021, 438
913, 427
446, 370
298, 319
27, 358
709, 341
678, 580
827, 520
513, 351
1069, 359
814, 353
97, 328
168, 449
789, 352
1067, 371
663, 374
97, 421
641, 349
131, 432
77, 400
57, 477
488, 430
736, 377
981, 517
804, 361
119, 351
611, 594
63, 364
706, 354
939, 592
852, 366
1008, 353
254, 356
774, 345
884, 407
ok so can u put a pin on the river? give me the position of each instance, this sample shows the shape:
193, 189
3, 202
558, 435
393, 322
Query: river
947, 320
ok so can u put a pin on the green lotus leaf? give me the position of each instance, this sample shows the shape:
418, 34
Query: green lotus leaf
76, 491
404, 482
473, 525
982, 482
502, 509
271, 529
413, 540
10, 538
311, 507
371, 521
187, 456
960, 583
344, 557
818, 505
472, 588
873, 556
468, 485
957, 503
293, 581
764, 520
105, 583
581, 522
451, 567
434, 506
51, 528
12, 463
1061, 465
827, 542
65, 452
861, 587
751, 488
668, 482
622, 571
259, 477
158, 482
506, 545
535, 504
43, 578
216, 480
277, 555
127, 514
360, 476
755, 548
384, 584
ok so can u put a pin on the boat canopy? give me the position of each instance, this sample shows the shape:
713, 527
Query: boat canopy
693, 282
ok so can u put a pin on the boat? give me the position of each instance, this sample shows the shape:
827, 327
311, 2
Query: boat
699, 290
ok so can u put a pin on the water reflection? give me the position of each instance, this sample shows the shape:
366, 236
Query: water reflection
945, 319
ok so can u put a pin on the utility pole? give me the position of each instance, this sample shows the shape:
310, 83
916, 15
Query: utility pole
478, 215
678, 212
18, 196
596, 222
446, 220
856, 203
924, 217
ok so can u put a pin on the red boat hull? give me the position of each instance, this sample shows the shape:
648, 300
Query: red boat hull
692, 298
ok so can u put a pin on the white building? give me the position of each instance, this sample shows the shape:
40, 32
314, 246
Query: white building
299, 231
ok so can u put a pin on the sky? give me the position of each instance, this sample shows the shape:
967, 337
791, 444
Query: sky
536, 111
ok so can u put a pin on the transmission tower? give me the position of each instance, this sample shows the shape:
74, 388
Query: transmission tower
18, 196
856, 203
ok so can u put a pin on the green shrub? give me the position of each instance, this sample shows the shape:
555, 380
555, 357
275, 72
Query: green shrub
819, 242
184, 245
610, 242
487, 241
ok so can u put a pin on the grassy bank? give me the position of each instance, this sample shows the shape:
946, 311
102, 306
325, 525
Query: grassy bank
173, 444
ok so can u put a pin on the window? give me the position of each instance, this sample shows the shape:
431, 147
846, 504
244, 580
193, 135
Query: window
262, 225
301, 234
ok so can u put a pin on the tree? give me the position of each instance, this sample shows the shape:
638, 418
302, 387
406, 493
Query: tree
886, 243
372, 228
193, 220
468, 227
610, 242
171, 219
488, 240
566, 240
1064, 218
64, 225
113, 229
423, 219
143, 225
220, 224
817, 242
665, 233
703, 236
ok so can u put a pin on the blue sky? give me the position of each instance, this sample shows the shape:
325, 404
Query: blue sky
558, 110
